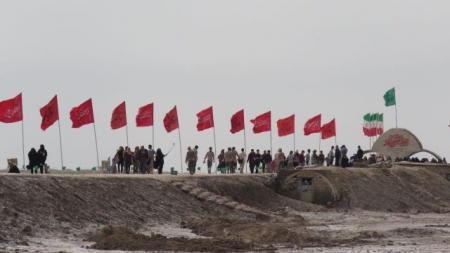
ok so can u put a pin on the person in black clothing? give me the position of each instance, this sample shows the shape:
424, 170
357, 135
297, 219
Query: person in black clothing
337, 156
120, 156
13, 168
251, 160
359, 154
33, 160
257, 160
159, 161
128, 159
42, 154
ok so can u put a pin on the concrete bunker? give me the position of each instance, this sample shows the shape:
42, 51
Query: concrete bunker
309, 185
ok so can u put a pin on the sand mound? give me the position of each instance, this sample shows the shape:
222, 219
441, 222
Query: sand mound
254, 191
116, 238
396, 189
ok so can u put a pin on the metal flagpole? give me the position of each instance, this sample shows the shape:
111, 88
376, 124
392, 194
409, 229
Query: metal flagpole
396, 126
320, 139
126, 129
96, 147
60, 145
215, 149
271, 139
294, 133
23, 144
294, 140
245, 150
181, 159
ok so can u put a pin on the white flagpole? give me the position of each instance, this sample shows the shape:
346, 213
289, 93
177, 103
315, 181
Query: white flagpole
181, 159
23, 144
126, 129
245, 150
60, 145
396, 125
96, 146
294, 133
294, 140
271, 139
320, 139
215, 149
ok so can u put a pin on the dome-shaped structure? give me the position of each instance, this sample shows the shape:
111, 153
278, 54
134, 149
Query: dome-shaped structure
399, 143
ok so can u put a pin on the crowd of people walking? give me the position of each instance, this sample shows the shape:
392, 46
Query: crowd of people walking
146, 161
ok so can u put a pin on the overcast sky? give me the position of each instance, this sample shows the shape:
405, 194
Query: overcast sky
337, 58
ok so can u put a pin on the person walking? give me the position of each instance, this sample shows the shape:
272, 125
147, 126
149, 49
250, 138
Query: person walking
120, 159
344, 159
33, 160
296, 159
321, 158
263, 163
290, 160
190, 160
233, 156
330, 156
221, 159
136, 163
42, 154
196, 155
251, 161
257, 161
151, 159
301, 158
143, 159
279, 160
308, 158
209, 159
129, 156
359, 154
159, 160
337, 156
241, 160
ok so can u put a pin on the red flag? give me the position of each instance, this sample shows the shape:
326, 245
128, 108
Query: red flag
171, 120
286, 126
119, 116
82, 114
329, 130
205, 119
49, 113
313, 125
11, 110
262, 123
145, 116
237, 122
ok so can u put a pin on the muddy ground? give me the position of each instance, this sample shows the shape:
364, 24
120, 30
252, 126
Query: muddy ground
222, 213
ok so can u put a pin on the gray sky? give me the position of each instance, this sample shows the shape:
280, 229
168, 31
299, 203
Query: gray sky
337, 58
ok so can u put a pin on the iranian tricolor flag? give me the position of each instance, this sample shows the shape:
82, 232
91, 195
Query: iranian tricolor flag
366, 125
373, 124
380, 125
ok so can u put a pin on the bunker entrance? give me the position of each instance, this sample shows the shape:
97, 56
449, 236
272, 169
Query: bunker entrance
306, 193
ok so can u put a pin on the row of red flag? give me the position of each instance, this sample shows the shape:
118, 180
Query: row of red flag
11, 111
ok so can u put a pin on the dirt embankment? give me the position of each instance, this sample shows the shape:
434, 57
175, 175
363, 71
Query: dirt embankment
33, 205
396, 189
